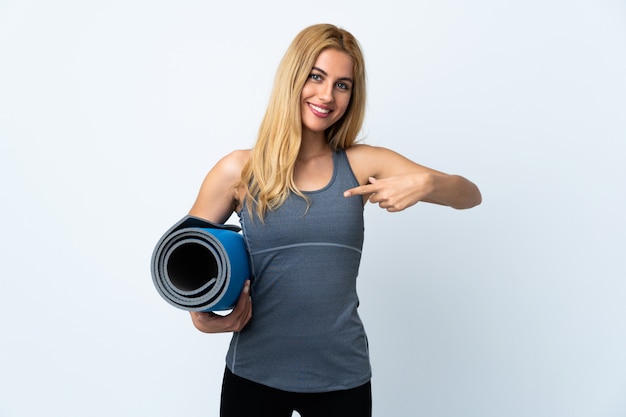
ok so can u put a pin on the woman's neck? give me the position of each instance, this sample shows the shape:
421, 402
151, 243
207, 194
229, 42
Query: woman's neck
313, 145
314, 166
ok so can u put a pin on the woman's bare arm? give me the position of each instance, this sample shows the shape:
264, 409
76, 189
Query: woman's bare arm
216, 201
395, 182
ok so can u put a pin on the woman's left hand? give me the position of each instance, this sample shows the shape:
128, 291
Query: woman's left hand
395, 193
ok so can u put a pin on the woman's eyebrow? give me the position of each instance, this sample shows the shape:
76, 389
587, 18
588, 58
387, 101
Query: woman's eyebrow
339, 79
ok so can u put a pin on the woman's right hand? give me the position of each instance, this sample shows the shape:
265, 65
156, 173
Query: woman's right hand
234, 321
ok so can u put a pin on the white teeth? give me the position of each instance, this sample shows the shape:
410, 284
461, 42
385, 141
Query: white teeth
319, 109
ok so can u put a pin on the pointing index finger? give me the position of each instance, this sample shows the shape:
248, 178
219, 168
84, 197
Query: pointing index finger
360, 190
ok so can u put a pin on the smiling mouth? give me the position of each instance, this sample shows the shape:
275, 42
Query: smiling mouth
320, 111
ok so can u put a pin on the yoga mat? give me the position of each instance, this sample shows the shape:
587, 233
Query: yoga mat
200, 266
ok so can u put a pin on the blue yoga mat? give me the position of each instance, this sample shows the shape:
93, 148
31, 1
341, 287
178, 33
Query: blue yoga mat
200, 266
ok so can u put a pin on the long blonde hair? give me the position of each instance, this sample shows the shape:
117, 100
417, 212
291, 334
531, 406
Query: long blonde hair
268, 174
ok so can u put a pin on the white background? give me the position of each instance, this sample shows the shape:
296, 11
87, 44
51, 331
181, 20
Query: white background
112, 112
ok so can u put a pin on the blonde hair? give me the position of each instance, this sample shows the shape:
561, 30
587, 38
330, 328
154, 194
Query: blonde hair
268, 175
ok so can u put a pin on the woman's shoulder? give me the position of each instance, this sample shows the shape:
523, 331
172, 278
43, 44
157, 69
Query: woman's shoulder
233, 162
219, 193
364, 150
361, 158
374, 161
359, 147
228, 169
364, 154
238, 156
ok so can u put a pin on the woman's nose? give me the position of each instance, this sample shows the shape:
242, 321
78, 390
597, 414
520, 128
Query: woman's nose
325, 92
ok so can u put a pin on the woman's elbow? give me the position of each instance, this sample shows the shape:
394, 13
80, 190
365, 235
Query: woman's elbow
471, 196
474, 199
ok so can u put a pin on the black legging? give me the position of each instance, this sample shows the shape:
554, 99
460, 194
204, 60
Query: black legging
244, 398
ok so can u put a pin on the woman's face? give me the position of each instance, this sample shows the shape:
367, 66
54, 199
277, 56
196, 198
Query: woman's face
326, 93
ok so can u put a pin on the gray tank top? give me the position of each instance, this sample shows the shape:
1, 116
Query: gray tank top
305, 334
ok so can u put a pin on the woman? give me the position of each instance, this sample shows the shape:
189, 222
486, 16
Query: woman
300, 194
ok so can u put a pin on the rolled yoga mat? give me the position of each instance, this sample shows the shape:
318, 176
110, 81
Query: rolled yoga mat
200, 266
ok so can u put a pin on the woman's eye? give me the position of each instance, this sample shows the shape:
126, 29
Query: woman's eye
315, 77
343, 86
